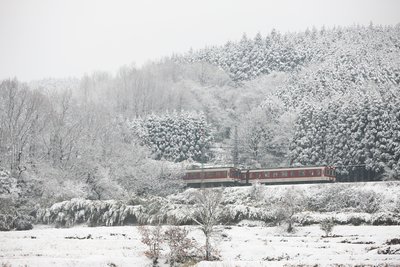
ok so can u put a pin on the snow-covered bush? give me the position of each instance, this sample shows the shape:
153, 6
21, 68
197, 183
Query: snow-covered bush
153, 238
385, 219
8, 185
180, 246
339, 197
6, 222
14, 203
292, 202
327, 226
14, 220
92, 212
23, 222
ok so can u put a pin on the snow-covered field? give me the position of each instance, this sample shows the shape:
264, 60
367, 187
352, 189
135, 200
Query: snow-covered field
238, 245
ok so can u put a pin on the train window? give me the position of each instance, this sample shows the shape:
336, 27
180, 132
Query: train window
284, 174
311, 173
274, 174
292, 174
318, 172
266, 174
302, 173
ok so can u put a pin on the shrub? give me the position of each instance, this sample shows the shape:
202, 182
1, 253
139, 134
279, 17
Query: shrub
385, 219
327, 226
15, 221
341, 198
179, 244
354, 220
23, 223
152, 238
6, 222
292, 202
92, 212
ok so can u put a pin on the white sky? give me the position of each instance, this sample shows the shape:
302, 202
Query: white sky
55, 38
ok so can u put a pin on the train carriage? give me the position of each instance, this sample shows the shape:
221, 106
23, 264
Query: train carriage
289, 175
222, 176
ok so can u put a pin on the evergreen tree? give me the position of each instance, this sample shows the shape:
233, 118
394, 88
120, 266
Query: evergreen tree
174, 136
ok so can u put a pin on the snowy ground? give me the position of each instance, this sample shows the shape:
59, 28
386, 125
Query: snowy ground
239, 246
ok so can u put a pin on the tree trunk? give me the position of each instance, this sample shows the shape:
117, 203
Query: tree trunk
207, 247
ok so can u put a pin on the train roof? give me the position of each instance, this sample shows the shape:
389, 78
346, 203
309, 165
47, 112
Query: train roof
212, 168
287, 167
257, 169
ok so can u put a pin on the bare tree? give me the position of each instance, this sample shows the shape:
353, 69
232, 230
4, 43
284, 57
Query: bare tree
292, 202
19, 114
207, 212
180, 245
65, 129
153, 238
254, 134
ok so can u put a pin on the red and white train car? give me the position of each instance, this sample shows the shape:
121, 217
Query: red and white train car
289, 175
212, 176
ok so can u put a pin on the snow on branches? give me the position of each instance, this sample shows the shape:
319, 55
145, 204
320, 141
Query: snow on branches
175, 137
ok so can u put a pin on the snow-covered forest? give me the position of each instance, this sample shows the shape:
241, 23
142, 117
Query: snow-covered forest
108, 149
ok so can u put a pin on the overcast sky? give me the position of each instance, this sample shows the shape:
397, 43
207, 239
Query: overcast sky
54, 38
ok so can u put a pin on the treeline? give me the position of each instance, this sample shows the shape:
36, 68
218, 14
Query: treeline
290, 52
57, 147
361, 130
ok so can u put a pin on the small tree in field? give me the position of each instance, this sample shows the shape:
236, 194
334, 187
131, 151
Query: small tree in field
179, 244
153, 238
207, 211
291, 203
327, 226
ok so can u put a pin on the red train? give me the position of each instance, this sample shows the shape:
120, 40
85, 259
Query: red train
233, 176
